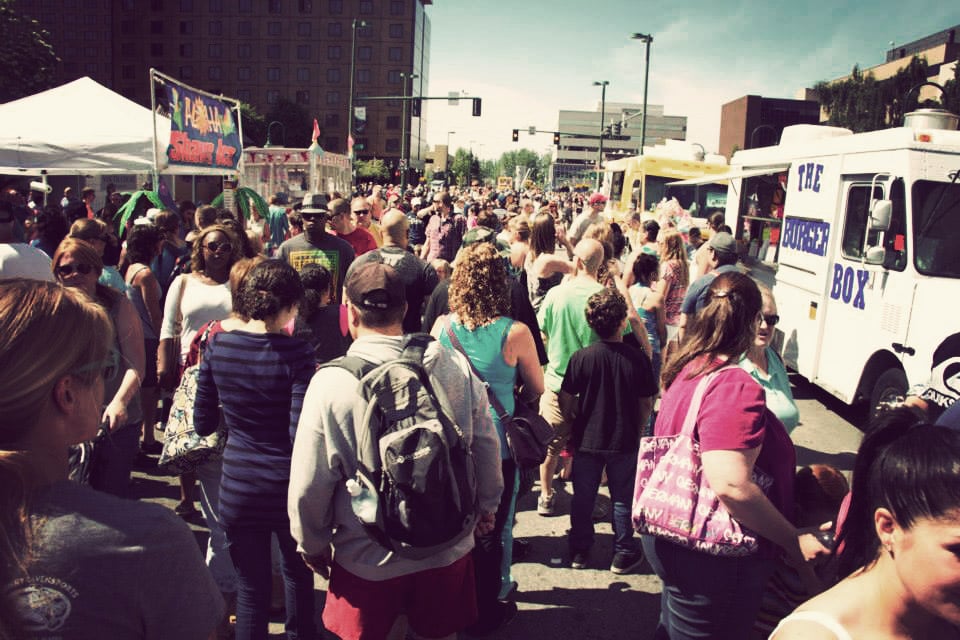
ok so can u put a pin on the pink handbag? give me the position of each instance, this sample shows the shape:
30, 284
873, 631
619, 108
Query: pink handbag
672, 499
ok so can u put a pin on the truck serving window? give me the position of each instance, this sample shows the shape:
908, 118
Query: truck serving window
855, 225
616, 185
936, 219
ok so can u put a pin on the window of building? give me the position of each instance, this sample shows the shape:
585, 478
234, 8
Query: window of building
331, 120
304, 29
186, 28
244, 28
243, 73
303, 97
156, 5
215, 50
334, 52
393, 122
129, 27
186, 50
364, 31
126, 72
273, 96
274, 28
335, 7
186, 5
364, 53
216, 5
90, 36
396, 31
273, 51
304, 52
156, 49
306, 6
243, 95
245, 6
90, 68
333, 97
156, 27
334, 29
366, 7
303, 74
128, 49
393, 77
330, 143
186, 72
395, 54
244, 51
333, 75
273, 74
214, 72
275, 6
215, 28
396, 7
363, 76
393, 145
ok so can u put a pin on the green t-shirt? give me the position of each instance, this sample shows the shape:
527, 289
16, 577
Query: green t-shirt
562, 318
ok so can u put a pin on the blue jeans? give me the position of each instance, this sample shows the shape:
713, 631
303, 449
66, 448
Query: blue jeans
621, 476
250, 550
705, 596
218, 559
488, 551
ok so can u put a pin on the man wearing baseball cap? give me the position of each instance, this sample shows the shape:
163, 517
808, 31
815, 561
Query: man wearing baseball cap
371, 587
593, 214
315, 245
721, 257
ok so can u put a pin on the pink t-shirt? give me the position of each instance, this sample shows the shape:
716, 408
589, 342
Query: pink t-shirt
734, 416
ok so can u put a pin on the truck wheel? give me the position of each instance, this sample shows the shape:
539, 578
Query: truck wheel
890, 387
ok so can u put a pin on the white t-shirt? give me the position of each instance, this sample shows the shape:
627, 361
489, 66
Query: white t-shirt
20, 260
199, 303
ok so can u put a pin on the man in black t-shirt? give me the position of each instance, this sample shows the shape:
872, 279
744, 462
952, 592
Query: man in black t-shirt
316, 246
607, 392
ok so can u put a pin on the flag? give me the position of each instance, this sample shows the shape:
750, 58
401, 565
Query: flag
350, 146
315, 147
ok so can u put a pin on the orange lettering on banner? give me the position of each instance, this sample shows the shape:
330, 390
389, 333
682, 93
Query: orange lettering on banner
225, 154
183, 149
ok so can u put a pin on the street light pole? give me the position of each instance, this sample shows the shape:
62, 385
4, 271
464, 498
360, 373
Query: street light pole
647, 38
403, 128
353, 62
603, 114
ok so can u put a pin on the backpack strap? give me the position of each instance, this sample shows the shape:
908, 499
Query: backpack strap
357, 366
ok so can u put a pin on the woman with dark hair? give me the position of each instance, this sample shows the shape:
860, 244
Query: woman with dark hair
649, 305
174, 251
502, 350
78, 563
258, 374
709, 596
97, 233
143, 245
320, 323
77, 264
545, 270
899, 559
51, 228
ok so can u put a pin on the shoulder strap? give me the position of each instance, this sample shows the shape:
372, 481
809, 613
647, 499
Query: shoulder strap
357, 366
690, 421
494, 401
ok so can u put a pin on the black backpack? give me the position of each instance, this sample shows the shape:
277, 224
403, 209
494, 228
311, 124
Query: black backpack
415, 487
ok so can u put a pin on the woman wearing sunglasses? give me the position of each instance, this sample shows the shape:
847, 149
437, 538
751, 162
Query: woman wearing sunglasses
77, 264
765, 365
78, 563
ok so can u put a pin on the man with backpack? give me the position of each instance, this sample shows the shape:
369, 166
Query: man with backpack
392, 472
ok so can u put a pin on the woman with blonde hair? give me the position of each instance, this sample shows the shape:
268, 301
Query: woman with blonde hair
674, 280
75, 562
77, 264
97, 233
501, 350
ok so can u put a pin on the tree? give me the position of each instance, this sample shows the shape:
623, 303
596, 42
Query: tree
27, 61
297, 124
863, 103
523, 158
462, 165
375, 169
951, 91
254, 125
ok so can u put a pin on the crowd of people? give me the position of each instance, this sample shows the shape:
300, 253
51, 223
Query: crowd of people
611, 333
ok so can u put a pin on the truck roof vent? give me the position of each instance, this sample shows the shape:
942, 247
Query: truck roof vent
931, 119
800, 133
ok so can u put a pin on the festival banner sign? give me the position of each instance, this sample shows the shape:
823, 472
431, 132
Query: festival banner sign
203, 131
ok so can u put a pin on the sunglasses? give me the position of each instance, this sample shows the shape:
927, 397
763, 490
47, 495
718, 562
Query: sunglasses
361, 212
68, 269
771, 320
310, 217
109, 366
215, 247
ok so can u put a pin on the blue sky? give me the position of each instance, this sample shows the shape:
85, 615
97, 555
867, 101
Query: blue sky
528, 60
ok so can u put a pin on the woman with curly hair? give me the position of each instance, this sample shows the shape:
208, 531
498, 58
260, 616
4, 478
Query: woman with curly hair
500, 349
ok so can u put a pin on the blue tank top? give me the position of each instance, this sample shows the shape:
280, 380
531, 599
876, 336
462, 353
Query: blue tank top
484, 347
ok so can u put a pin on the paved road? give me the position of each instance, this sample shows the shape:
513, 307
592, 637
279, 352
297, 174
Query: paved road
593, 604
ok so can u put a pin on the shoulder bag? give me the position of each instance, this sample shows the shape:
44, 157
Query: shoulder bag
672, 499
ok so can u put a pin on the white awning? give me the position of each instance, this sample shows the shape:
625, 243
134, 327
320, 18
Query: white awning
734, 173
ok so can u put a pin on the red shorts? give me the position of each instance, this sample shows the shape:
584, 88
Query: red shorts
437, 602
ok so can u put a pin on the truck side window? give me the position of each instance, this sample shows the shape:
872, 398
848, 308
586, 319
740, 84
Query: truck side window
616, 185
635, 196
855, 224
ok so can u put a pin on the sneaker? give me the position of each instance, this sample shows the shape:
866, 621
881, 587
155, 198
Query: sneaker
547, 506
579, 560
626, 562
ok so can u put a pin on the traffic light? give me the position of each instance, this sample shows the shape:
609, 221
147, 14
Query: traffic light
415, 108
556, 138
516, 135
476, 107
616, 128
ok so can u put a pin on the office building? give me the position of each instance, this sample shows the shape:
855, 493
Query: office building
755, 121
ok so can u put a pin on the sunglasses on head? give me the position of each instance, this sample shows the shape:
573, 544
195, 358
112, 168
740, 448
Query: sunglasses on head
68, 269
109, 367
215, 247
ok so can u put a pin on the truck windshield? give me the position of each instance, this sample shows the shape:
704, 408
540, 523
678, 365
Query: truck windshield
936, 218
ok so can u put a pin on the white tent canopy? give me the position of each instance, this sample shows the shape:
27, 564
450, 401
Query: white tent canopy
82, 127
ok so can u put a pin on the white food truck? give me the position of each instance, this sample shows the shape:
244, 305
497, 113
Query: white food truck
859, 235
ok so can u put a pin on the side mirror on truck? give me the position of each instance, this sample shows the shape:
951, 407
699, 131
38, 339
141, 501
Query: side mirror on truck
880, 213
875, 255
